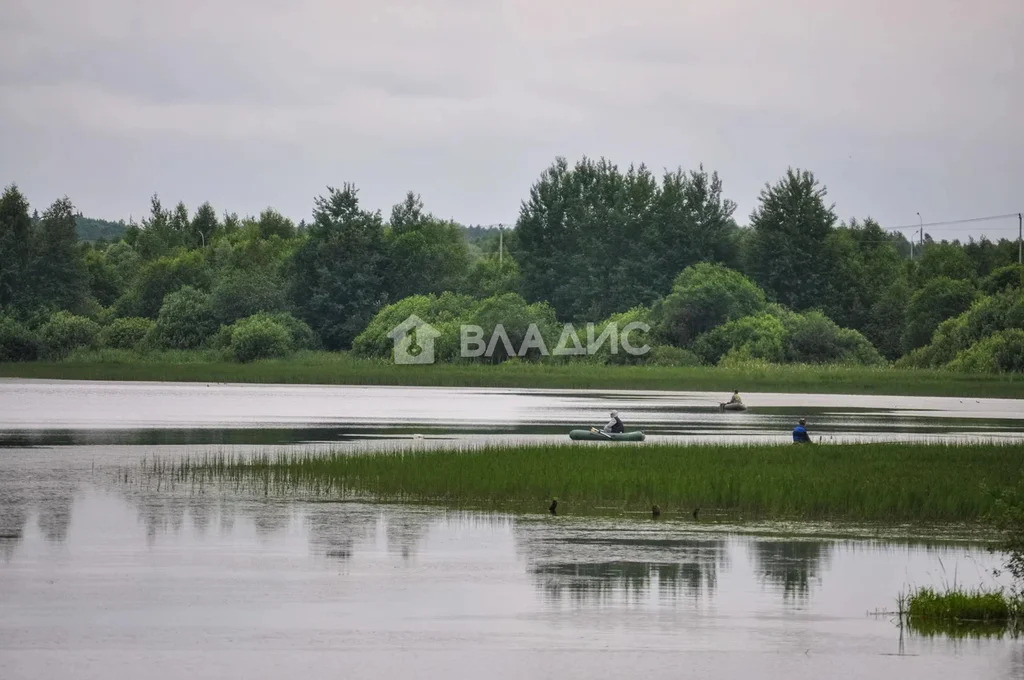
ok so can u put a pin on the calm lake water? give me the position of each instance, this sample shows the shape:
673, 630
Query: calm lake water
100, 578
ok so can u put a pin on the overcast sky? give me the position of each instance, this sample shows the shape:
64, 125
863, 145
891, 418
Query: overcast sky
898, 106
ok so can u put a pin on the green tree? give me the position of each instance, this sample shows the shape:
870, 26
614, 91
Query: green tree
160, 277
104, 282
203, 227
15, 249
339, 273
703, 296
592, 240
273, 223
155, 236
940, 299
944, 259
692, 223
59, 276
492, 275
787, 252
125, 261
240, 293
427, 255
1002, 278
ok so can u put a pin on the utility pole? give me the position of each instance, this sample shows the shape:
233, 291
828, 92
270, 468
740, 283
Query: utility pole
922, 242
920, 224
1020, 232
501, 245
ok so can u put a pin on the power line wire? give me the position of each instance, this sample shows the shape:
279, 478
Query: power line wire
966, 221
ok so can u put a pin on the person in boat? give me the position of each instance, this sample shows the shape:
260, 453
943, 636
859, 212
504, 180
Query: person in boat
735, 398
615, 424
800, 435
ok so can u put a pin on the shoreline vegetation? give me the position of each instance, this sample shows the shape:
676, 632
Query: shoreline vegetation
341, 368
885, 483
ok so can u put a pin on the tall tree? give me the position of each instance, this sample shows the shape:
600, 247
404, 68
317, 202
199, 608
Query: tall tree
787, 252
427, 255
865, 270
694, 224
59, 274
203, 226
339, 273
15, 249
593, 240
154, 237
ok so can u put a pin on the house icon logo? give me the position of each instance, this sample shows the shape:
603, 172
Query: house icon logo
414, 341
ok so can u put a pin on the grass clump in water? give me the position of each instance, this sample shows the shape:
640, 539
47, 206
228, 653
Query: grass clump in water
959, 605
882, 482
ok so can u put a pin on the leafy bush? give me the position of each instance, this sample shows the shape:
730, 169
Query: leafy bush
988, 315
637, 337
185, 320
762, 336
515, 316
783, 336
704, 296
126, 333
259, 337
17, 342
666, 355
65, 332
302, 336
1001, 352
816, 339
443, 312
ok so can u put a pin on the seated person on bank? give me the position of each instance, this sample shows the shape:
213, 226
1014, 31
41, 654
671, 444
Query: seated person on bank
800, 435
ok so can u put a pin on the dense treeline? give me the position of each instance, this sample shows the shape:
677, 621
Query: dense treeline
592, 244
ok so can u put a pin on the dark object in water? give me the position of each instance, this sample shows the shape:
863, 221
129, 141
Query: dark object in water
656, 511
551, 508
695, 511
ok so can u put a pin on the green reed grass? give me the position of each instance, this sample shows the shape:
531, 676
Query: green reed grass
958, 604
871, 482
342, 368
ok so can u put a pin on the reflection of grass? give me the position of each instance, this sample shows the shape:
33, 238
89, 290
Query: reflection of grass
341, 368
887, 482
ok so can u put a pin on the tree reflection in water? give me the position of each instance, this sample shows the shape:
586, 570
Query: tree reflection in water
596, 566
791, 565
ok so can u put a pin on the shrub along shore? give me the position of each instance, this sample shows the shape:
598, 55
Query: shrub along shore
339, 368
943, 483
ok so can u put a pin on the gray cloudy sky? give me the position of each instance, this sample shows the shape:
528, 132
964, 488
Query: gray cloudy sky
898, 106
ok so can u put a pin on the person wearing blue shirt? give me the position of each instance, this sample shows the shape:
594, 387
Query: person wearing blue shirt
800, 435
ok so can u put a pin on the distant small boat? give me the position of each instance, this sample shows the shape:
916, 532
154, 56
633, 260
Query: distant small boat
587, 435
733, 406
